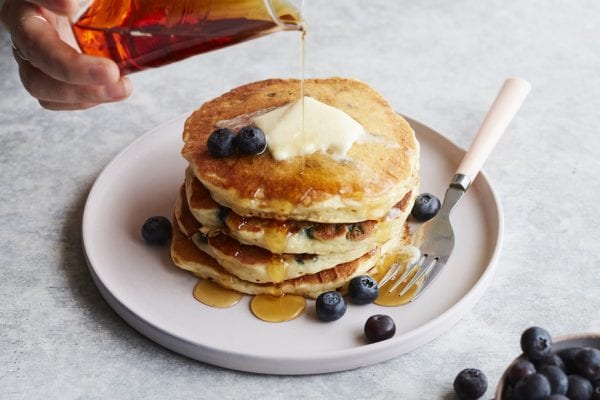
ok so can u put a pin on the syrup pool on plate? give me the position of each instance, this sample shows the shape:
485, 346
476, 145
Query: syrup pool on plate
213, 295
277, 308
264, 306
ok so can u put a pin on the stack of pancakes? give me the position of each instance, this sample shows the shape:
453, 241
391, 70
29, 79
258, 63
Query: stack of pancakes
303, 225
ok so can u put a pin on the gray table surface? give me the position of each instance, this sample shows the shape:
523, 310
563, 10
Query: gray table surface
439, 62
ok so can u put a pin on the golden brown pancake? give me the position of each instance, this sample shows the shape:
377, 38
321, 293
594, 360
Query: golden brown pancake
316, 187
186, 255
253, 263
185, 220
295, 237
207, 211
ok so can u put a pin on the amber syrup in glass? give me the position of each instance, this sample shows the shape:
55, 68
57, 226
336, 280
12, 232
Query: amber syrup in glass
140, 34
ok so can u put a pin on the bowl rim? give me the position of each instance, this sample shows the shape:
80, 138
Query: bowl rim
555, 340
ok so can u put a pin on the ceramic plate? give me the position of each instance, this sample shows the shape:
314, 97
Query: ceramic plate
145, 289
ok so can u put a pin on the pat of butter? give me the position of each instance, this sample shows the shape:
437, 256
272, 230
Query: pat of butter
325, 128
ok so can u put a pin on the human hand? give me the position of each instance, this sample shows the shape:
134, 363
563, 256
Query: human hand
50, 68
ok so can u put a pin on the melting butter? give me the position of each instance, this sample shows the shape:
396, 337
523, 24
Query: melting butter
326, 129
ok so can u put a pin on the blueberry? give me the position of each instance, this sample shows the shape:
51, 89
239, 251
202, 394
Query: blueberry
557, 378
587, 363
363, 289
379, 327
568, 358
552, 359
579, 388
425, 207
222, 214
596, 390
520, 370
536, 343
251, 140
557, 397
470, 383
508, 393
220, 143
330, 306
532, 387
157, 231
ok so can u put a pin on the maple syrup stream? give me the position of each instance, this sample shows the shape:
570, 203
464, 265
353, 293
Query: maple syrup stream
284, 307
266, 307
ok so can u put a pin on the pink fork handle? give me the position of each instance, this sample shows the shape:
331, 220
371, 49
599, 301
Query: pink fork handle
507, 103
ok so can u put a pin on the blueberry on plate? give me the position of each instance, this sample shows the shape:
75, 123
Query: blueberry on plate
426, 207
470, 384
251, 140
536, 343
330, 306
379, 327
157, 230
533, 387
220, 143
363, 289
579, 388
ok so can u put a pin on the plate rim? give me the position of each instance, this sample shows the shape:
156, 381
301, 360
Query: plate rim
331, 361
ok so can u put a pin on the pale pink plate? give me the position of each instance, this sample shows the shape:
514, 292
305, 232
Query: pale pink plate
142, 285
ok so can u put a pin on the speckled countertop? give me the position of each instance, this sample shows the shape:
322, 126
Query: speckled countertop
439, 62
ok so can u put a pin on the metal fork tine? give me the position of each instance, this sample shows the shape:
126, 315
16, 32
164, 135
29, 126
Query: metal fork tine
390, 274
411, 267
418, 276
409, 270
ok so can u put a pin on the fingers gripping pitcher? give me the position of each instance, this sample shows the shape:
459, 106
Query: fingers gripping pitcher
139, 34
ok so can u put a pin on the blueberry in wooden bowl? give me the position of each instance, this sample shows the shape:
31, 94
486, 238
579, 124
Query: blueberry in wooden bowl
568, 368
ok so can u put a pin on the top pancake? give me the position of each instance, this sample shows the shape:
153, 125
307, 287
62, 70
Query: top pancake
376, 176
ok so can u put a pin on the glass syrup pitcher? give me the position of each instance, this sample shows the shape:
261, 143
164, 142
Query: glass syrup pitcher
140, 34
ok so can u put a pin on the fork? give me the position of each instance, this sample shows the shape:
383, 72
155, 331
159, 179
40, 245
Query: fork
436, 237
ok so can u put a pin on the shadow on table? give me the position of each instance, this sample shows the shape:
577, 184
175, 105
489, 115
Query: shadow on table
449, 396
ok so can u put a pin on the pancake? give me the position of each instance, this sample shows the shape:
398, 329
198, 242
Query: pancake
186, 255
318, 188
207, 211
295, 237
253, 263
186, 222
